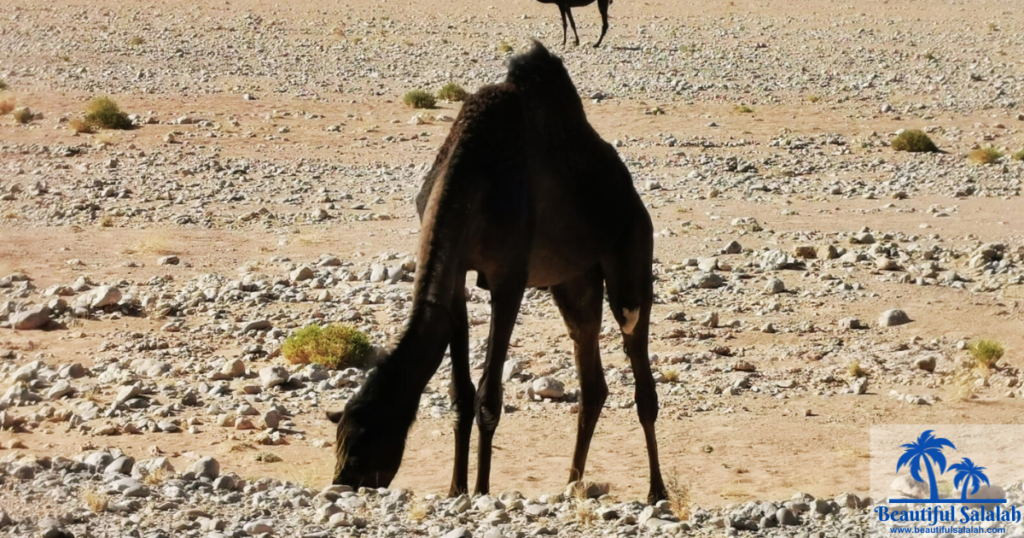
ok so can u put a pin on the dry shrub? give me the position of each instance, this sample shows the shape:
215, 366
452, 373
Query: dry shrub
671, 375
585, 514
418, 511
744, 109
986, 353
419, 99
156, 477
106, 221
505, 48
6, 106
855, 370
334, 346
989, 155
452, 92
104, 112
96, 501
81, 126
1019, 156
268, 457
914, 141
136, 41
679, 499
22, 115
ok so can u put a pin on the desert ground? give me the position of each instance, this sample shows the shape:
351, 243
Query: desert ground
269, 183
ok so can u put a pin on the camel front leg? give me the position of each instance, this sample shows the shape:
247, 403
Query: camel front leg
462, 391
506, 296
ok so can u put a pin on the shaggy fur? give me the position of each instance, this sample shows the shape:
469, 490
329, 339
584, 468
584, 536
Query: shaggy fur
525, 193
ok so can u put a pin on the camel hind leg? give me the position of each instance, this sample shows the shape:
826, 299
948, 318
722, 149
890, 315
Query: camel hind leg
630, 294
572, 22
580, 300
565, 28
462, 390
602, 6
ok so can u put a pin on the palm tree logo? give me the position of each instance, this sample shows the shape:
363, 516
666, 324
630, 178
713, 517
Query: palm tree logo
924, 453
968, 473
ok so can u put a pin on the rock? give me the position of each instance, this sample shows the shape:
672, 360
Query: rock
925, 363
59, 390
272, 376
708, 281
233, 368
786, 517
826, 252
775, 286
984, 492
100, 297
862, 238
707, 264
776, 260
459, 532
732, 248
710, 320
127, 393
272, 419
260, 526
206, 466
587, 490
892, 318
887, 264
511, 368
32, 319
548, 387
850, 324
168, 260
302, 273
910, 488
378, 273
859, 385
257, 325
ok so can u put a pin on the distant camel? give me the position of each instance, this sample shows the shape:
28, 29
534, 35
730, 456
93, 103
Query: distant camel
565, 7
527, 194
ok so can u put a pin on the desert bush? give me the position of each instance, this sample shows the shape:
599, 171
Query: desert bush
267, 457
679, 500
6, 106
419, 99
22, 114
505, 48
914, 141
988, 155
104, 112
418, 511
156, 477
96, 501
1019, 156
855, 370
986, 353
452, 92
136, 41
81, 126
3, 85
744, 109
334, 346
670, 375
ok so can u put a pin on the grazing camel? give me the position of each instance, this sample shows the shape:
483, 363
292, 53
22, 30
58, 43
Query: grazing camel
565, 6
526, 193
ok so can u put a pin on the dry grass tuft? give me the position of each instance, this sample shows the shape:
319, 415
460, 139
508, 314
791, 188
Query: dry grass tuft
136, 41
744, 109
104, 112
585, 515
419, 99
6, 106
914, 141
855, 370
505, 48
267, 457
964, 384
418, 511
671, 375
1019, 156
22, 115
679, 497
156, 477
989, 155
986, 353
452, 92
81, 126
106, 221
96, 501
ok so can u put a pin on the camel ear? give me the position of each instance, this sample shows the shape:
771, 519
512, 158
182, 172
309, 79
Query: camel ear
334, 416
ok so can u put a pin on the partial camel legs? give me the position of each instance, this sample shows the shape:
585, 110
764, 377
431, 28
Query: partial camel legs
630, 293
463, 391
580, 301
602, 5
572, 23
506, 296
565, 34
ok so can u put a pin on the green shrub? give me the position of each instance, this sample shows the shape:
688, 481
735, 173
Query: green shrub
333, 346
986, 353
989, 155
136, 41
3, 85
419, 99
914, 141
505, 48
452, 92
744, 109
1019, 156
104, 112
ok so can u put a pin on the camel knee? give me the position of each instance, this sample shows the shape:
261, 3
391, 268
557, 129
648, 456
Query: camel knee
647, 407
630, 317
488, 414
593, 396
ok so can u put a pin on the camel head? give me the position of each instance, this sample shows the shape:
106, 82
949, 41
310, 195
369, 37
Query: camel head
369, 443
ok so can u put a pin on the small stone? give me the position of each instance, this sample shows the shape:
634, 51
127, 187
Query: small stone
459, 532
710, 320
786, 517
859, 385
272, 376
32, 319
260, 526
302, 273
775, 286
892, 318
206, 466
708, 281
168, 260
257, 325
925, 363
548, 387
